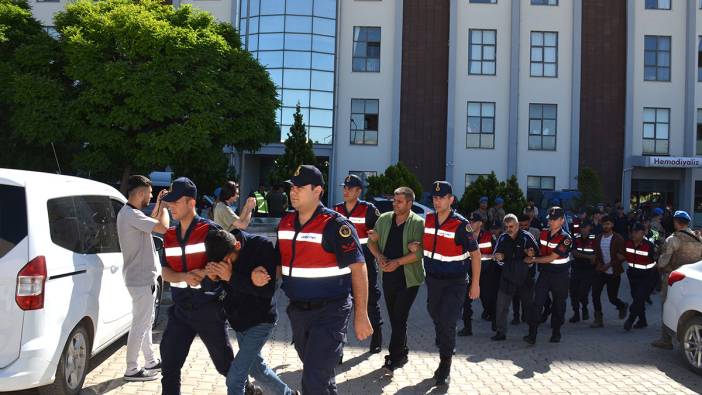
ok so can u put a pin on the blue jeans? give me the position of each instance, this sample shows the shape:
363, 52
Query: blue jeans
249, 361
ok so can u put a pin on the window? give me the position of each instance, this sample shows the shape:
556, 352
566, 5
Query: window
484, 1
480, 132
698, 145
657, 58
536, 185
83, 224
366, 49
471, 178
544, 2
699, 58
542, 126
364, 121
656, 125
657, 4
13, 217
544, 54
482, 52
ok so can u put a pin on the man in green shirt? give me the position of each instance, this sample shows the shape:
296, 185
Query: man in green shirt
401, 269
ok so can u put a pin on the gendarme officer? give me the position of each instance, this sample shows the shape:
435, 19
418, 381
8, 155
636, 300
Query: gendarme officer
450, 253
363, 216
321, 261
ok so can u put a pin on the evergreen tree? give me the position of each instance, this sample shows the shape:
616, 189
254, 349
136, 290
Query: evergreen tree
513, 196
394, 177
298, 151
484, 186
590, 187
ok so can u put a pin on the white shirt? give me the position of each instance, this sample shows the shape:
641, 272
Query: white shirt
605, 244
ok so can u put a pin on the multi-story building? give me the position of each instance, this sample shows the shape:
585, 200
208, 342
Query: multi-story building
536, 89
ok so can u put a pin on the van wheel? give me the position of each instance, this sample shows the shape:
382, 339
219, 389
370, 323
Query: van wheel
73, 366
691, 344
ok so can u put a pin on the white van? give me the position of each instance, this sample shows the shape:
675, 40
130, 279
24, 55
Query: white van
62, 295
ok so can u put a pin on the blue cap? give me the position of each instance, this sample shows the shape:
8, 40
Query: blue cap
307, 175
441, 188
352, 181
483, 199
181, 187
658, 211
682, 215
499, 200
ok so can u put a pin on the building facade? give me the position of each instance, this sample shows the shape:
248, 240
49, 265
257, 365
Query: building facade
455, 89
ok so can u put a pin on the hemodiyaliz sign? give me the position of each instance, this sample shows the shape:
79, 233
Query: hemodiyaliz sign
673, 161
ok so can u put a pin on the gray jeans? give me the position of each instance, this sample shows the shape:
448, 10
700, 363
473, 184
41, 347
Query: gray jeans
140, 332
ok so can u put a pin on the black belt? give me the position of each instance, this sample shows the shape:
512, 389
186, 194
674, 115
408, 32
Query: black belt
314, 304
447, 276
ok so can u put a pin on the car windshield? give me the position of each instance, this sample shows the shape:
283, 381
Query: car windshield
13, 217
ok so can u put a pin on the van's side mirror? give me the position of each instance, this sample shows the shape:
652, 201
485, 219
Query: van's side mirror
158, 243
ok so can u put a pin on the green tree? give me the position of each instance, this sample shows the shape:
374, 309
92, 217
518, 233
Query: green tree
590, 187
298, 151
484, 186
150, 86
513, 196
32, 93
395, 176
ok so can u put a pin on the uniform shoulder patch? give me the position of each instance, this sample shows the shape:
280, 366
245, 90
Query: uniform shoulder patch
344, 231
469, 229
566, 241
377, 212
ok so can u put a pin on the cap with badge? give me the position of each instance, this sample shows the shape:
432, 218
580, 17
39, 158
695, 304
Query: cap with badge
441, 189
352, 181
683, 216
657, 212
180, 187
555, 213
475, 217
483, 199
499, 200
307, 175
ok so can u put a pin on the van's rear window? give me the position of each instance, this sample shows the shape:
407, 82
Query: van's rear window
13, 217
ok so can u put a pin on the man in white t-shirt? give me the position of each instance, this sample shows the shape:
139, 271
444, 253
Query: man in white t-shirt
140, 262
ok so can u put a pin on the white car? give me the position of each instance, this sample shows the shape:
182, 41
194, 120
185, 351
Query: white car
682, 312
62, 295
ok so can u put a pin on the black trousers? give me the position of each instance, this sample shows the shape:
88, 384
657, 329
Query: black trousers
612, 282
445, 298
490, 274
208, 322
373, 290
399, 300
319, 336
580, 284
642, 283
555, 283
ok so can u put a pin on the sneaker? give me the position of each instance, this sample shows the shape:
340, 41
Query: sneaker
142, 375
251, 389
391, 365
156, 366
640, 324
663, 343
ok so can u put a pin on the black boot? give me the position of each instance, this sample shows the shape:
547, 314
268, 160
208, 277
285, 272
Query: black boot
575, 318
499, 337
467, 329
531, 337
641, 323
629, 323
585, 314
376, 343
622, 311
443, 373
556, 335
